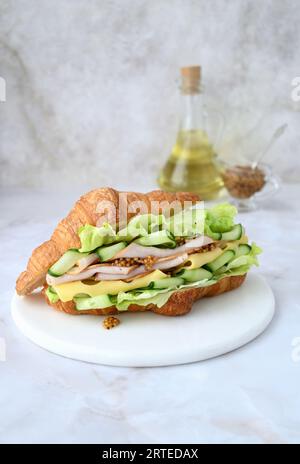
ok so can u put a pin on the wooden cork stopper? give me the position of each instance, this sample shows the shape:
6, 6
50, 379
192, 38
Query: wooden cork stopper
190, 79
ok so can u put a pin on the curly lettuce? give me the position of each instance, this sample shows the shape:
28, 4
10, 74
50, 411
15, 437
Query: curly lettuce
220, 218
92, 237
141, 226
186, 223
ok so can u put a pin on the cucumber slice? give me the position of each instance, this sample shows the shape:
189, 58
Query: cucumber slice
52, 295
66, 262
168, 282
161, 237
221, 270
215, 235
193, 275
234, 234
220, 261
243, 249
108, 252
95, 302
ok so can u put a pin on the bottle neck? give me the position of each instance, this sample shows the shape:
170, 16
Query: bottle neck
192, 115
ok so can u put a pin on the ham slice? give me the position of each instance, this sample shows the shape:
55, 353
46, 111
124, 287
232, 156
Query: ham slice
138, 251
134, 273
121, 270
161, 264
198, 242
51, 280
167, 263
90, 272
83, 263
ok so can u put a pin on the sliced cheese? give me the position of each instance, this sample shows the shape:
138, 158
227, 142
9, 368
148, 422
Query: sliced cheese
66, 292
199, 259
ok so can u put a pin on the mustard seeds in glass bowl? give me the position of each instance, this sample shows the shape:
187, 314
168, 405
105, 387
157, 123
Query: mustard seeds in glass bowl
247, 184
243, 181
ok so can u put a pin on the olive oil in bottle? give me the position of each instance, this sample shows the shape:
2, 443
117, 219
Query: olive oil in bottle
192, 164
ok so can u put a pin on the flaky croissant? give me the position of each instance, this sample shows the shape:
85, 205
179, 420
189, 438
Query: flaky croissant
87, 210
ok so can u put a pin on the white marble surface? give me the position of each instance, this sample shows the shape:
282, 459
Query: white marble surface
248, 396
91, 86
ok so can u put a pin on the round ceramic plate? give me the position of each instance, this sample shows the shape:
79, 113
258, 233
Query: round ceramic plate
215, 326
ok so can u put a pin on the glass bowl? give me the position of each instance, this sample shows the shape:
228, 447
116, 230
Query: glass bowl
248, 186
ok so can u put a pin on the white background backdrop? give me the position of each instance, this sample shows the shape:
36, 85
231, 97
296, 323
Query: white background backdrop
92, 91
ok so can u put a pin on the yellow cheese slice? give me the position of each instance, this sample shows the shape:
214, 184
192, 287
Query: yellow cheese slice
66, 292
199, 259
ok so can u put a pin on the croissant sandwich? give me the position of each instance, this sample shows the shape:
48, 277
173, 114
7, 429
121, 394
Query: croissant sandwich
126, 251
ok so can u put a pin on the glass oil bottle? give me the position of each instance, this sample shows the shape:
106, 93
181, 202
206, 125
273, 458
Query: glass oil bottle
192, 165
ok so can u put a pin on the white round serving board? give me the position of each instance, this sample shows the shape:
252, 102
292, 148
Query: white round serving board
215, 326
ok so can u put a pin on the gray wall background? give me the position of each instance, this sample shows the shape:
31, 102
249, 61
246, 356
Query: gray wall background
92, 91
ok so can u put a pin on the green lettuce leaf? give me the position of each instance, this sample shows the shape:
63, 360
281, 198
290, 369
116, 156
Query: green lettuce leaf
158, 296
140, 294
187, 223
141, 226
159, 300
220, 218
92, 237
194, 221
